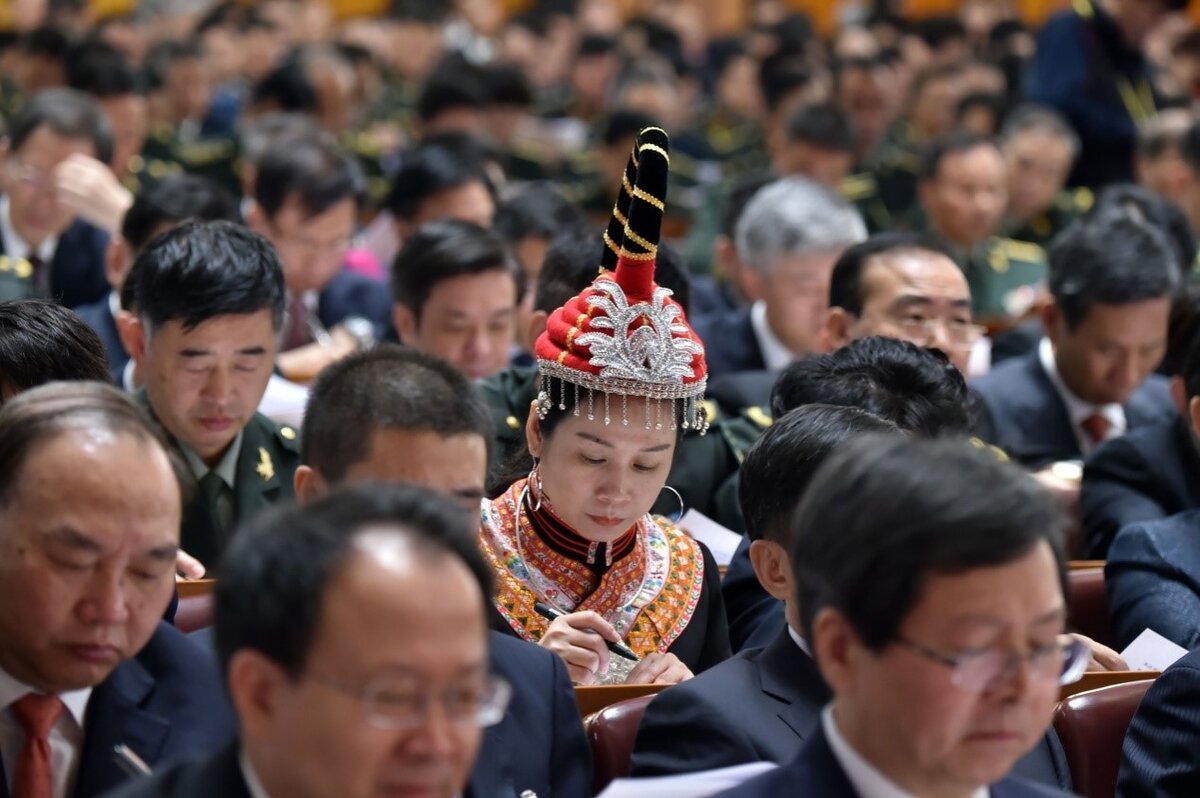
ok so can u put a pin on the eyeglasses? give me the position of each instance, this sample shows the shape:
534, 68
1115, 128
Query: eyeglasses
392, 703
1064, 660
923, 331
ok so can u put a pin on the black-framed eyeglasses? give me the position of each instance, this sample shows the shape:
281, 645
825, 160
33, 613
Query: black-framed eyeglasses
1064, 661
399, 704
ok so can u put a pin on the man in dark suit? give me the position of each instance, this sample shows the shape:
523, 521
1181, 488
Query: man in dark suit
347, 679
1153, 579
1159, 755
45, 251
398, 415
1111, 281
307, 192
944, 652
209, 299
1153, 472
916, 389
787, 239
85, 574
158, 207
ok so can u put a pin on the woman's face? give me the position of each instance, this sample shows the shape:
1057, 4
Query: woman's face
600, 479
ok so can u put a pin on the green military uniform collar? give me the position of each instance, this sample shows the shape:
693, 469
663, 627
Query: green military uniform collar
226, 469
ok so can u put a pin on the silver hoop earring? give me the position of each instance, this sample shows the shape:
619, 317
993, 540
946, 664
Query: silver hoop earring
677, 497
535, 484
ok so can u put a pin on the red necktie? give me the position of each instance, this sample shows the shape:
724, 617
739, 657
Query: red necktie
34, 777
1097, 427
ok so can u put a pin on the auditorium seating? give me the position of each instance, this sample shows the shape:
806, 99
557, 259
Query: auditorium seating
1092, 727
611, 733
1087, 602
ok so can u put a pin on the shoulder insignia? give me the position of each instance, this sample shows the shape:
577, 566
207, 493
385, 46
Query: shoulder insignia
996, 451
711, 411
287, 433
1021, 250
1084, 198
265, 468
759, 416
857, 187
512, 423
997, 259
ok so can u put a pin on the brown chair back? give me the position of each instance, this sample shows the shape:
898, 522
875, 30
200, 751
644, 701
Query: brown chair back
1092, 728
194, 612
1087, 604
611, 732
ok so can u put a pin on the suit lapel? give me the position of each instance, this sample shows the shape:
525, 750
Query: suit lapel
826, 776
750, 342
1048, 432
790, 675
115, 716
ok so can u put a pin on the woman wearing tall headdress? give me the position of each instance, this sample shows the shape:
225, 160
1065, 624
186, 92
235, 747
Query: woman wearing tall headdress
579, 559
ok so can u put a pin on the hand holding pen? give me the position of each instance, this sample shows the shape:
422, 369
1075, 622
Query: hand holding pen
584, 640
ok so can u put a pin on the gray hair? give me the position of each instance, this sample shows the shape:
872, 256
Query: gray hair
1043, 118
794, 216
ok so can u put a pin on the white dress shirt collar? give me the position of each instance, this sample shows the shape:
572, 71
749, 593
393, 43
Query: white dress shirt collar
776, 356
66, 736
1077, 409
253, 785
799, 640
17, 247
866, 779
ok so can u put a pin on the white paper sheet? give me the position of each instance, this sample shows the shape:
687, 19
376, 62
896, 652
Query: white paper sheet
1150, 651
721, 541
690, 785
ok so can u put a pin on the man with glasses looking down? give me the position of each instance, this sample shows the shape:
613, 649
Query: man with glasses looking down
944, 651
347, 681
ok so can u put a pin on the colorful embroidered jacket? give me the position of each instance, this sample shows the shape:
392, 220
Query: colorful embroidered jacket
660, 589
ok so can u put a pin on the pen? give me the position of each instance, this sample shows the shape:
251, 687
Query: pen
130, 762
549, 613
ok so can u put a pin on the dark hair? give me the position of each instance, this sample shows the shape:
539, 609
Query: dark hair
287, 87
67, 112
994, 104
275, 574
537, 210
506, 84
936, 31
595, 44
445, 249
388, 387
737, 200
929, 516
954, 143
846, 288
452, 84
429, 12
1183, 327
46, 41
781, 463
573, 261
200, 270
780, 74
171, 200
166, 54
822, 125
1114, 258
312, 169
35, 416
42, 341
1142, 203
916, 389
101, 70
429, 169
622, 125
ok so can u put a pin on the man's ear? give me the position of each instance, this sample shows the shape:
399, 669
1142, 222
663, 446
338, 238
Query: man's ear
308, 484
256, 220
834, 646
1179, 396
1052, 319
835, 332
533, 431
405, 322
537, 323
750, 283
254, 682
116, 259
769, 562
134, 336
